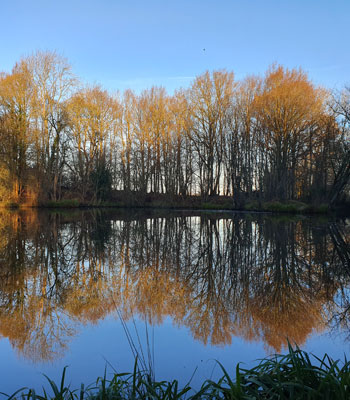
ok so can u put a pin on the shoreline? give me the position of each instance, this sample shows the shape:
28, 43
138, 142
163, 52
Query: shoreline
192, 203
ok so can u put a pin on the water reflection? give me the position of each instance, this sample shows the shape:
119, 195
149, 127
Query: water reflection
261, 278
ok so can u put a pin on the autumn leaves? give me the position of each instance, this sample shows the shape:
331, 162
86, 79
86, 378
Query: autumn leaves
275, 136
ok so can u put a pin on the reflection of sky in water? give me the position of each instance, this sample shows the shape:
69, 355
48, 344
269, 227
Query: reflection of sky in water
87, 347
176, 355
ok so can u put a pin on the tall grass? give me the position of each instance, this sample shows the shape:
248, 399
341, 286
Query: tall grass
296, 375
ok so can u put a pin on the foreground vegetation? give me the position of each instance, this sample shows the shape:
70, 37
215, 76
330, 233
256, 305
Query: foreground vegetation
296, 375
275, 137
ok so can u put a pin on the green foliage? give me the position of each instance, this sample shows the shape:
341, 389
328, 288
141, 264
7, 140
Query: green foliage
63, 204
101, 180
210, 206
319, 209
296, 375
293, 206
216, 206
323, 208
290, 206
252, 206
116, 204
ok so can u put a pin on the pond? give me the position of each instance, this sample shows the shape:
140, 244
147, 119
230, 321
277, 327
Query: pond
92, 288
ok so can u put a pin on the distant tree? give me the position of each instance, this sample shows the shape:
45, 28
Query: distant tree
181, 170
210, 100
287, 111
341, 107
54, 82
92, 123
16, 100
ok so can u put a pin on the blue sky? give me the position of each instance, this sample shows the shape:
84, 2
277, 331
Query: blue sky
136, 44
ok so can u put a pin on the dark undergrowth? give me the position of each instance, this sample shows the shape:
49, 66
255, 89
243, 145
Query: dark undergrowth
191, 203
296, 375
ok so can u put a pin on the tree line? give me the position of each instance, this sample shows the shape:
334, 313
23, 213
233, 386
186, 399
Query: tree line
272, 137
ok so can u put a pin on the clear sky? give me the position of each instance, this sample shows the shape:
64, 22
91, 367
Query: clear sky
139, 43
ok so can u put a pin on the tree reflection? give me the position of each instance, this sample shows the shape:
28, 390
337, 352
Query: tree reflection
260, 278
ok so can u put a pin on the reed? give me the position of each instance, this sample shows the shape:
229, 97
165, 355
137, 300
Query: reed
295, 375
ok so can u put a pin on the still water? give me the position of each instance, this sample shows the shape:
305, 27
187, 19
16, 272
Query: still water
90, 288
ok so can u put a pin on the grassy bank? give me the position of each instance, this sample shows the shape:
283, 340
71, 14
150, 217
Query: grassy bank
296, 375
291, 206
157, 201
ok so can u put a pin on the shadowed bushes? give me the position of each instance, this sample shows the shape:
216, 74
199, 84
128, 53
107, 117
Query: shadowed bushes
291, 206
